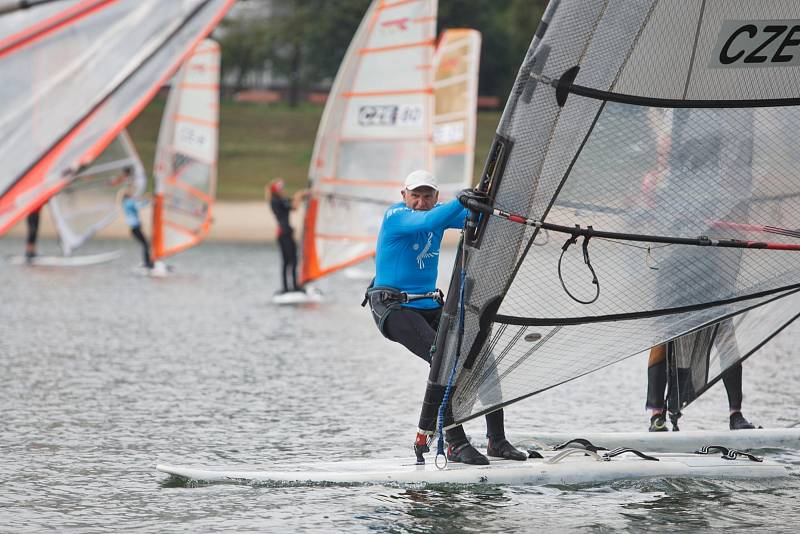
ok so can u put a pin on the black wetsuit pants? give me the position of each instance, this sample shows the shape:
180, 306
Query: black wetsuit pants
657, 383
136, 231
289, 257
415, 329
33, 227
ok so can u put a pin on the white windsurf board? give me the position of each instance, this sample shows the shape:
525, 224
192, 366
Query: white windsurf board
685, 441
575, 469
82, 260
309, 295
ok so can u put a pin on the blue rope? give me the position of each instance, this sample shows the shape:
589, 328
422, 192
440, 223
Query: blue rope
446, 397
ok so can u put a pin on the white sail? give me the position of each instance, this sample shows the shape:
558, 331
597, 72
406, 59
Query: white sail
376, 129
455, 89
185, 169
91, 201
714, 239
107, 59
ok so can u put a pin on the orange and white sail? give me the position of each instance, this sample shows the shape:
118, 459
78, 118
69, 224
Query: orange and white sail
376, 128
455, 88
91, 201
74, 74
185, 169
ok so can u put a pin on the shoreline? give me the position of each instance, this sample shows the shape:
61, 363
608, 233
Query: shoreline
234, 221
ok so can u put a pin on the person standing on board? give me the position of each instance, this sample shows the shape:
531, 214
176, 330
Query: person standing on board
657, 384
281, 208
33, 232
707, 151
405, 303
130, 207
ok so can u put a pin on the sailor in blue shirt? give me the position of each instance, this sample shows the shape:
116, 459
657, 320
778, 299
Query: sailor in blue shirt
404, 300
130, 208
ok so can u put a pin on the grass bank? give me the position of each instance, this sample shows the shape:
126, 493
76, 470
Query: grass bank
262, 141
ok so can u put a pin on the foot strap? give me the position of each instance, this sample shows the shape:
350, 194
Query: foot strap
585, 443
728, 454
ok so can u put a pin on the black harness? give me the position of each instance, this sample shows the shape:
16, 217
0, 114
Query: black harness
383, 300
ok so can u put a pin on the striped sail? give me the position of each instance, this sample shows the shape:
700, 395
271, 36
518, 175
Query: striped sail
91, 201
376, 128
186, 159
107, 59
455, 89
579, 135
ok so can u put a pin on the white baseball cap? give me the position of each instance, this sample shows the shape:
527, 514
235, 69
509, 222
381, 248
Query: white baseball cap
421, 178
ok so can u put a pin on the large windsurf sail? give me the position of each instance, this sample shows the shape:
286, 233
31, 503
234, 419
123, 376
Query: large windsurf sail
455, 89
186, 160
375, 130
91, 201
715, 238
107, 59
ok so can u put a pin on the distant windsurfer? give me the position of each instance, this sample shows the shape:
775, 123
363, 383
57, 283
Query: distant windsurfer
130, 207
282, 207
407, 306
33, 232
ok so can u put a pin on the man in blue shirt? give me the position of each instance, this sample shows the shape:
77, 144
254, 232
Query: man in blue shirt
404, 300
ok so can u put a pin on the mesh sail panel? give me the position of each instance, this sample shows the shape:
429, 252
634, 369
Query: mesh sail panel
375, 130
90, 202
455, 89
186, 158
108, 63
712, 160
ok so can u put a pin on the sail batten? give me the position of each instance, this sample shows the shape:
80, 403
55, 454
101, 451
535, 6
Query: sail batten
678, 205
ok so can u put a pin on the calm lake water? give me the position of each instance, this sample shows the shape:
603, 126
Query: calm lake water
104, 373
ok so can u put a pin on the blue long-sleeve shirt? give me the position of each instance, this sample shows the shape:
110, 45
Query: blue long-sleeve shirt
131, 207
407, 252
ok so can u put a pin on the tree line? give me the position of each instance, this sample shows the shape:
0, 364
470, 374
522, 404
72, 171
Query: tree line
304, 41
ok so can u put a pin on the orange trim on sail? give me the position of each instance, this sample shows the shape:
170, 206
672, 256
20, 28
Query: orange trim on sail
451, 150
364, 183
51, 25
193, 120
429, 42
423, 91
158, 229
309, 263
209, 86
205, 197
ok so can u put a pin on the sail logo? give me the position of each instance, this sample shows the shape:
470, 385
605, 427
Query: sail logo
390, 115
396, 25
760, 43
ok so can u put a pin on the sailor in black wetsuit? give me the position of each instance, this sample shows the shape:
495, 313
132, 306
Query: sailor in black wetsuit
695, 146
281, 207
33, 231
404, 300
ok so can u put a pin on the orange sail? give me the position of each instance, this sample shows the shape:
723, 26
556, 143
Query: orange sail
107, 59
376, 128
186, 158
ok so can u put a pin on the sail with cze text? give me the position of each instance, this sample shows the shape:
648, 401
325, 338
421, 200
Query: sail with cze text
656, 143
375, 130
